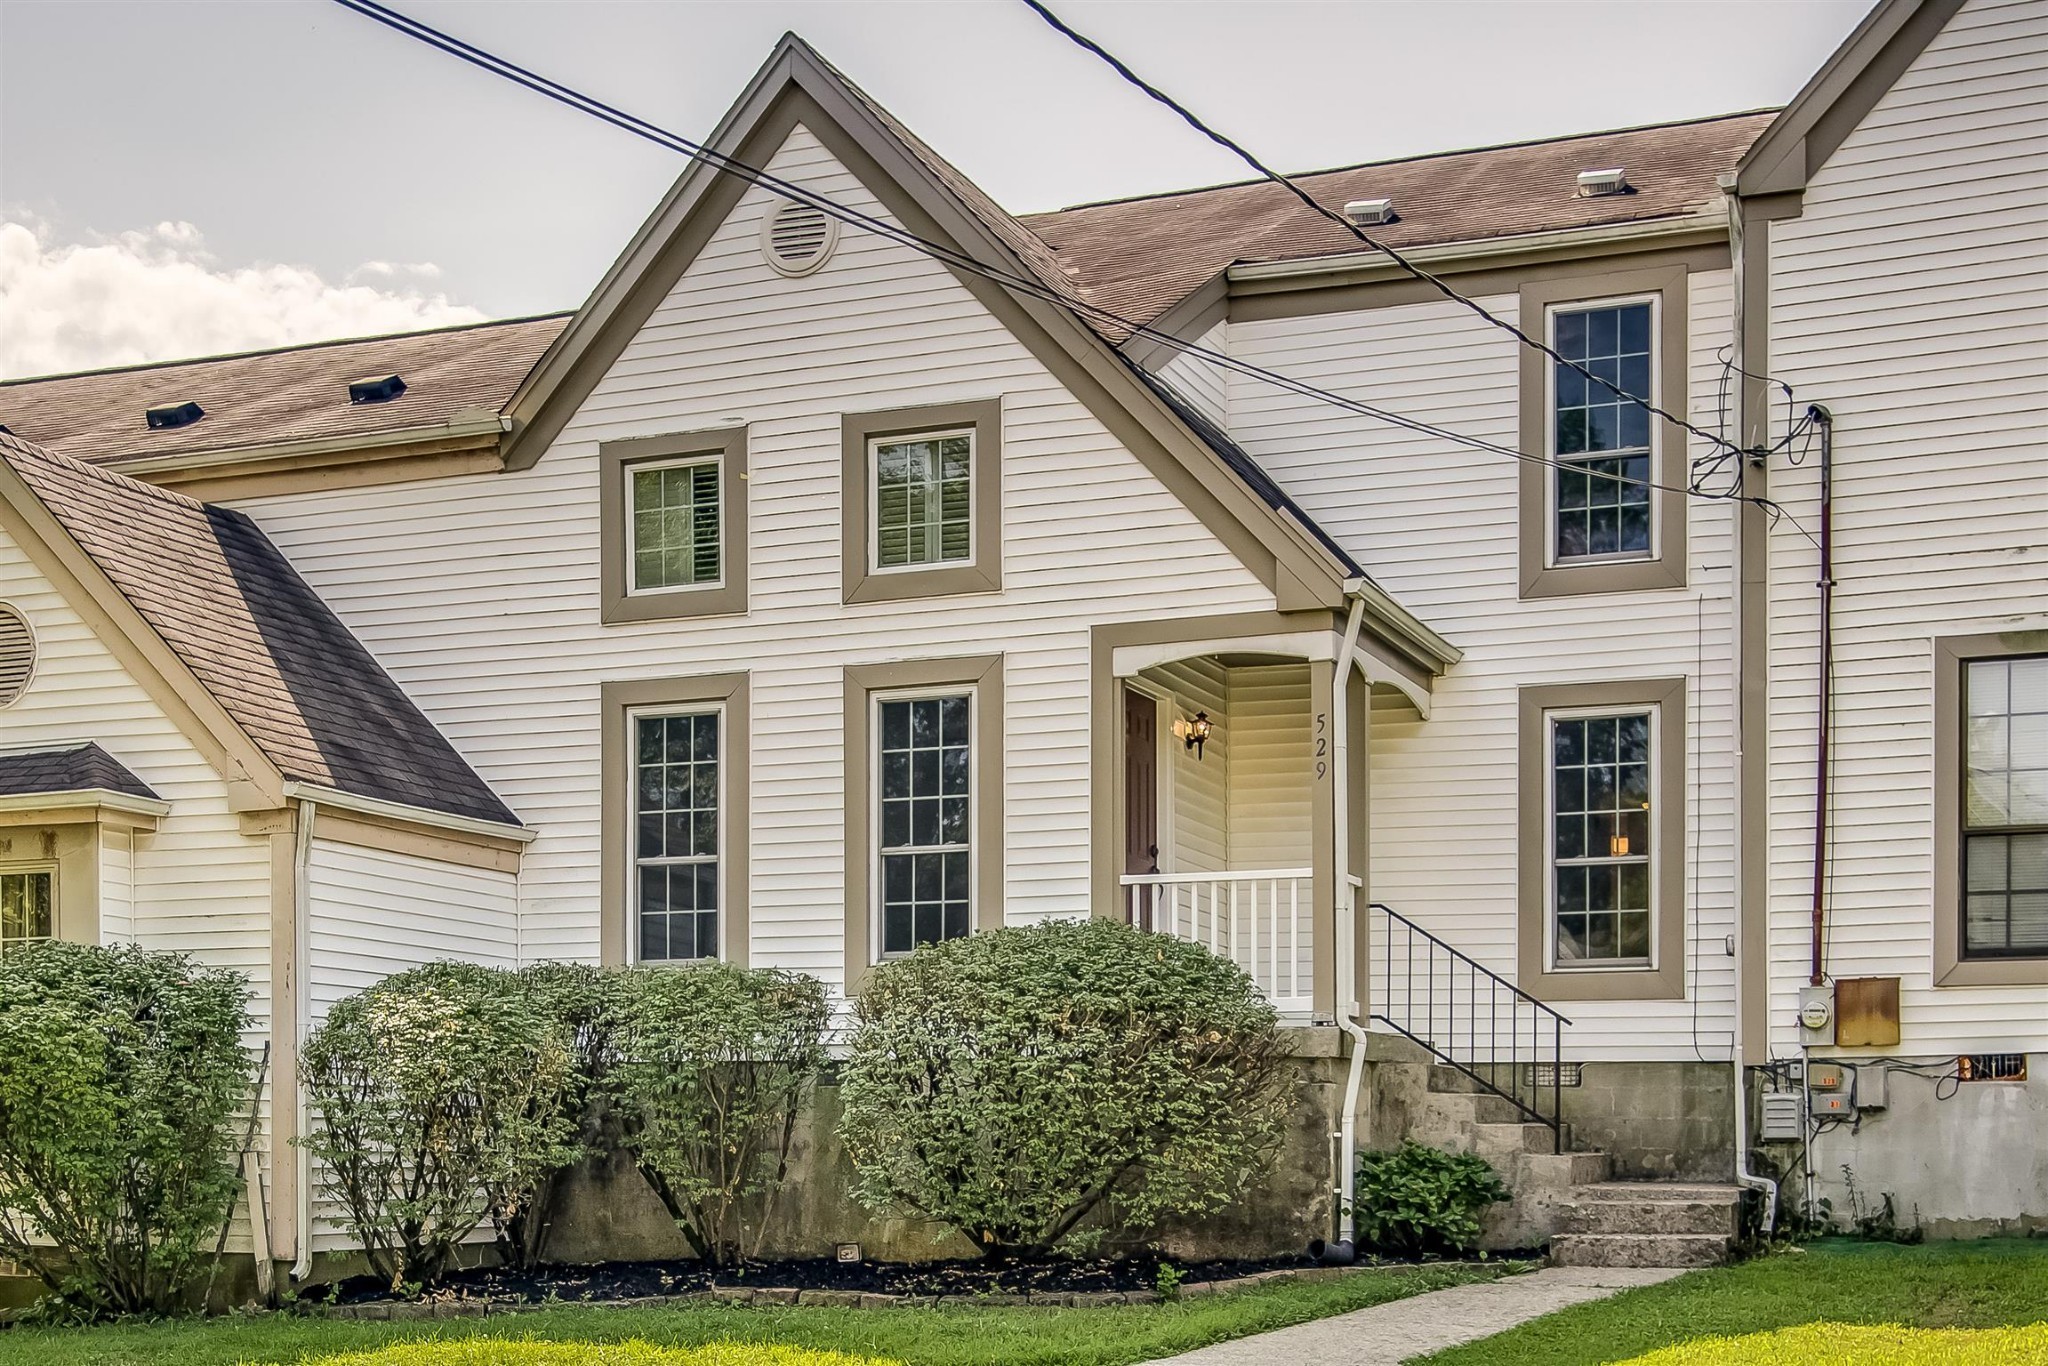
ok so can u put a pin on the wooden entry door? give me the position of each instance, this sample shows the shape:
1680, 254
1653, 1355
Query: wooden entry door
1141, 782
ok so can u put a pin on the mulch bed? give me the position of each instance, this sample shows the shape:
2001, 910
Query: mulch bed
863, 1284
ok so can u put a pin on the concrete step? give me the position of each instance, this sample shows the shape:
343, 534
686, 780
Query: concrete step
1493, 1140
1471, 1107
1650, 1216
1563, 1169
1659, 1190
1638, 1249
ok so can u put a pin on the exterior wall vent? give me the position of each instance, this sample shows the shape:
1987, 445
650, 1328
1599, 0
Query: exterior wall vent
378, 389
1988, 1066
174, 415
797, 238
17, 655
1370, 212
1614, 180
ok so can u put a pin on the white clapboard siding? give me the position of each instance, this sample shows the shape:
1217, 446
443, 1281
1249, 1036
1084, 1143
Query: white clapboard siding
1271, 788
1911, 297
480, 594
1196, 801
1203, 383
196, 884
1435, 524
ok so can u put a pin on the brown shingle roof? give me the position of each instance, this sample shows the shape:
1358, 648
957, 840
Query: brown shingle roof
291, 394
1139, 257
257, 637
70, 768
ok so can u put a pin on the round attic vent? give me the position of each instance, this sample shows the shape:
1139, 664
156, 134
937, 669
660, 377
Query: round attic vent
17, 654
797, 238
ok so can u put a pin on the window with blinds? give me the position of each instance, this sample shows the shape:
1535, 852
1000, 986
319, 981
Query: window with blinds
923, 511
675, 525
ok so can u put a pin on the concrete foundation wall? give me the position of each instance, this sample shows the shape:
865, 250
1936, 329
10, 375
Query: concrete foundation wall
1658, 1121
1966, 1160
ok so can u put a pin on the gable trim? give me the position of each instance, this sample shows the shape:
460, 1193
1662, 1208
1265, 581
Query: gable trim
253, 781
1833, 104
796, 88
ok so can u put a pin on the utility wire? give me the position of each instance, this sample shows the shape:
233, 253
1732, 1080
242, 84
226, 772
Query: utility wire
1021, 284
1435, 281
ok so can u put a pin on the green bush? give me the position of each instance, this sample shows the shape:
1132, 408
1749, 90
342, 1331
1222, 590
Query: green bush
579, 1003
1011, 1084
443, 1099
1419, 1200
121, 1071
527, 1352
713, 1064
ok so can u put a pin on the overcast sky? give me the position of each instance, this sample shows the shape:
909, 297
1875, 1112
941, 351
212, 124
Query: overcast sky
187, 176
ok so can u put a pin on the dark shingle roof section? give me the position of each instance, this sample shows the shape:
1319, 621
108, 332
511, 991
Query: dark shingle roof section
275, 656
293, 394
74, 768
1139, 257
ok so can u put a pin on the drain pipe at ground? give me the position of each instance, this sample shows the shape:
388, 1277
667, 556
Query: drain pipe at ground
1345, 1249
302, 885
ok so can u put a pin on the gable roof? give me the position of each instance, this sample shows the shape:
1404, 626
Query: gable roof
255, 636
1139, 257
295, 393
1847, 87
933, 200
83, 767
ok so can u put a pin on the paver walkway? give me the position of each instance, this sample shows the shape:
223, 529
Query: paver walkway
1388, 1334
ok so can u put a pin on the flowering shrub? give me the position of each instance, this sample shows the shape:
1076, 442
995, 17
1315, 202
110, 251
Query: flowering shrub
714, 1062
120, 1073
1011, 1084
444, 1095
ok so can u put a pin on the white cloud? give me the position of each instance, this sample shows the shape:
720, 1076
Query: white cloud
158, 295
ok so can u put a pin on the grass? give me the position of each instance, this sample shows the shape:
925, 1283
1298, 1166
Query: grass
945, 1336
1934, 1285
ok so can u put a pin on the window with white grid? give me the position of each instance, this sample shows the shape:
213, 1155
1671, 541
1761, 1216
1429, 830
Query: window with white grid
923, 509
1601, 781
924, 833
1601, 438
676, 797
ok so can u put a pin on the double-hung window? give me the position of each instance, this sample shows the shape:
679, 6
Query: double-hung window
1601, 824
1600, 431
27, 907
925, 777
677, 759
2005, 807
923, 499
675, 523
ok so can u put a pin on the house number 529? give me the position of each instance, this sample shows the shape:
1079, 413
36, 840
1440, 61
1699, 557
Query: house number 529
1322, 745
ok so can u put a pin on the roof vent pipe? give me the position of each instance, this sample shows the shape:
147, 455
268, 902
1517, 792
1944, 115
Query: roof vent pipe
1613, 180
173, 415
377, 389
1368, 213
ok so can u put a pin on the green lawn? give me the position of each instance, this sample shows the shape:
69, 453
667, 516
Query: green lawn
1935, 1285
918, 1337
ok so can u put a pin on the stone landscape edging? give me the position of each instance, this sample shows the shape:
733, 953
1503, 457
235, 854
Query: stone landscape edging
471, 1308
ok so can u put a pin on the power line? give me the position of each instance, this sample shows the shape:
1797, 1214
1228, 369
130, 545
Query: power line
1021, 284
1435, 281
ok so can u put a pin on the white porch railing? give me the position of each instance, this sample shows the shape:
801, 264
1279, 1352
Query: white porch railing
1262, 920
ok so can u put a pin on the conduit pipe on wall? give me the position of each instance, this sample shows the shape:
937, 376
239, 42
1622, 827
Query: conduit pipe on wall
302, 884
1823, 732
1345, 1249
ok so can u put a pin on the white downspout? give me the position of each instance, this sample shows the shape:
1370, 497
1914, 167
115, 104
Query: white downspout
1347, 925
302, 886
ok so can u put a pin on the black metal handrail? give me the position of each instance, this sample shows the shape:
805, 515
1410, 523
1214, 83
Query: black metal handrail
1410, 964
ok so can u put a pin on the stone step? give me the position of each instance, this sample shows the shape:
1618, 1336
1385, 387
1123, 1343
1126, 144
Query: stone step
1638, 1249
1659, 1190
1562, 1169
1492, 1140
1712, 1218
1471, 1107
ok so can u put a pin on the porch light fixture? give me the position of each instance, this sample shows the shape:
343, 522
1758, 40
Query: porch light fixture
1194, 734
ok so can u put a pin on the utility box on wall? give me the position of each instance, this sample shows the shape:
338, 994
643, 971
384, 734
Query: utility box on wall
1867, 1012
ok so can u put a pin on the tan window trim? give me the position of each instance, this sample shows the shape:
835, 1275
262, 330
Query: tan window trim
615, 774
1951, 969
615, 459
1668, 465
983, 673
1665, 979
70, 851
859, 581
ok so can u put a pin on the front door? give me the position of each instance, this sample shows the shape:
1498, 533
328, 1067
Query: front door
1141, 783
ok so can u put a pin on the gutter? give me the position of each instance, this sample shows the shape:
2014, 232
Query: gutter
310, 793
479, 424
1686, 229
302, 1017
100, 797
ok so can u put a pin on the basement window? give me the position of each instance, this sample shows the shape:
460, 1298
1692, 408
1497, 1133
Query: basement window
1992, 1067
